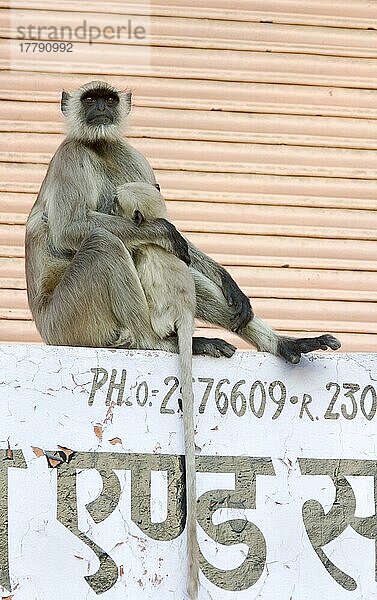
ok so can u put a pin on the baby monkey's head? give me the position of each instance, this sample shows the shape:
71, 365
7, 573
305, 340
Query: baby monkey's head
139, 202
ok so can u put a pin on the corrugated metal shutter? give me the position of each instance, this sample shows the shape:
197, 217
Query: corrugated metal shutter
260, 118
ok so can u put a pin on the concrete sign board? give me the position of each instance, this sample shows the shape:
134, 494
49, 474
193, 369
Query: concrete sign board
92, 484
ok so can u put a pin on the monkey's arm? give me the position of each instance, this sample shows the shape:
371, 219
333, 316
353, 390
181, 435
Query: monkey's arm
235, 298
159, 232
68, 201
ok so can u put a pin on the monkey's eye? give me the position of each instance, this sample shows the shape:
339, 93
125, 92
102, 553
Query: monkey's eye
89, 100
110, 99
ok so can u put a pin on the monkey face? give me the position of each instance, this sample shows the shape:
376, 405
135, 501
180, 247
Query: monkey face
100, 106
96, 111
143, 198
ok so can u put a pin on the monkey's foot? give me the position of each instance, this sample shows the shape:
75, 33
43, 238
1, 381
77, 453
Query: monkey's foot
292, 348
240, 303
212, 347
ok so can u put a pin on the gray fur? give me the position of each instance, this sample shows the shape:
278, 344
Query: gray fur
82, 176
76, 297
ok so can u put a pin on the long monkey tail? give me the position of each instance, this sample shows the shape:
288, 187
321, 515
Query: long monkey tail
185, 330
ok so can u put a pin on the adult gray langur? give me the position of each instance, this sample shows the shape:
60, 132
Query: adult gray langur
83, 287
170, 293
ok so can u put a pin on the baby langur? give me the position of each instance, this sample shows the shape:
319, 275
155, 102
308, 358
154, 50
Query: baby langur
170, 292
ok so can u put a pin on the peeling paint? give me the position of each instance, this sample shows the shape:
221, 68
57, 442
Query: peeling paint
115, 441
286, 476
98, 430
38, 452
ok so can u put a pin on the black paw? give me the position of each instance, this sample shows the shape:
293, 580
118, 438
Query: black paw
292, 348
180, 246
235, 298
212, 347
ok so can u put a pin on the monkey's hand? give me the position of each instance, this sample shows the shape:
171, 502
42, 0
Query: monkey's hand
176, 242
235, 298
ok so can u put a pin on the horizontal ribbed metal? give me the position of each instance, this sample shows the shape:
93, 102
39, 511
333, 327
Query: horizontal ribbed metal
350, 14
260, 121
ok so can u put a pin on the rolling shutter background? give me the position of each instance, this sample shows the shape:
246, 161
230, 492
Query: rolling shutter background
260, 120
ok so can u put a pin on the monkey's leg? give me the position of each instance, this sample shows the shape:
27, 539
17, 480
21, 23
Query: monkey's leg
212, 307
99, 300
234, 296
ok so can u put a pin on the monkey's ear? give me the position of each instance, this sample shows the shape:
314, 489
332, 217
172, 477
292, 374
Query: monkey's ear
138, 217
157, 186
128, 102
64, 102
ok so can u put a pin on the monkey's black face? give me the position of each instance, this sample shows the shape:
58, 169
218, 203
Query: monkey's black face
100, 107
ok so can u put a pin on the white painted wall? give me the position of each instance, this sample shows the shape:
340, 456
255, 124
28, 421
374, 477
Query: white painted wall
46, 405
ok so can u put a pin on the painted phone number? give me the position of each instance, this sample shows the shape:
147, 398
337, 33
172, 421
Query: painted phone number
258, 398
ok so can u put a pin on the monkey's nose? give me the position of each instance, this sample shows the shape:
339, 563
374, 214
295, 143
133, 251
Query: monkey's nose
101, 104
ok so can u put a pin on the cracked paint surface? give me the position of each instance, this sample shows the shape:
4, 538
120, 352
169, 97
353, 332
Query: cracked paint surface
91, 496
